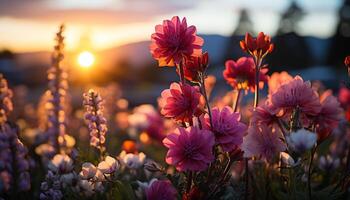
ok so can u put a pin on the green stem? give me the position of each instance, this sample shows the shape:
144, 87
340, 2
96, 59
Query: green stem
189, 182
310, 172
182, 74
257, 73
235, 105
204, 92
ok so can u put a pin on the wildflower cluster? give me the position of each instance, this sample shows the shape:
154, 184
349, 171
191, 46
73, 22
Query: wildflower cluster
291, 142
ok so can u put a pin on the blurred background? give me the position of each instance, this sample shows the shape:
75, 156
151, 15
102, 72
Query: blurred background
107, 41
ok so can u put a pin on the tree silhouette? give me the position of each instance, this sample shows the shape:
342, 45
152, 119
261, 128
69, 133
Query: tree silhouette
291, 49
244, 25
340, 42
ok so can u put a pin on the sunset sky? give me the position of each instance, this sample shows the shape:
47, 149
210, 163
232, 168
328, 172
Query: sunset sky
28, 25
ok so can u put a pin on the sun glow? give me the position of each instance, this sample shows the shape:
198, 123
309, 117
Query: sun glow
86, 59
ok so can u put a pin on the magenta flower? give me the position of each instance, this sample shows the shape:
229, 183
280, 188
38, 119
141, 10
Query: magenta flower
227, 128
161, 190
190, 149
329, 116
174, 41
241, 74
181, 102
262, 141
297, 94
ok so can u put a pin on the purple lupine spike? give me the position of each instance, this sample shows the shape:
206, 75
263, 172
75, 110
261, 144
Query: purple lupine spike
5, 100
97, 123
14, 164
57, 93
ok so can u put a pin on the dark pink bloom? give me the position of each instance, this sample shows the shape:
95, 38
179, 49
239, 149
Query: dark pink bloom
329, 116
297, 94
181, 102
174, 41
161, 190
227, 128
241, 74
262, 141
190, 149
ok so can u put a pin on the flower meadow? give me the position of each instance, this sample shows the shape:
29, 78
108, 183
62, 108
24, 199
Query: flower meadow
291, 142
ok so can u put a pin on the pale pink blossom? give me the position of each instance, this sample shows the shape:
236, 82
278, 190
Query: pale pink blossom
262, 141
88, 170
108, 166
296, 94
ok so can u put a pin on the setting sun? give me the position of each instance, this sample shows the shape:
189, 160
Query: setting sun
86, 59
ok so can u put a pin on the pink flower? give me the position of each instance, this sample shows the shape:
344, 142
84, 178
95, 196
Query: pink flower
174, 41
264, 114
278, 79
241, 74
329, 116
227, 128
262, 141
181, 102
161, 190
190, 149
297, 94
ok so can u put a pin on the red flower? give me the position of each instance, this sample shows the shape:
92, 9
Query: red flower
194, 67
241, 74
347, 61
174, 41
344, 97
257, 47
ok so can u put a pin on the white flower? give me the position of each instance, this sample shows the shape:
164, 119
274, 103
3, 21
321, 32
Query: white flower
131, 160
88, 171
328, 163
108, 166
301, 140
287, 159
61, 164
